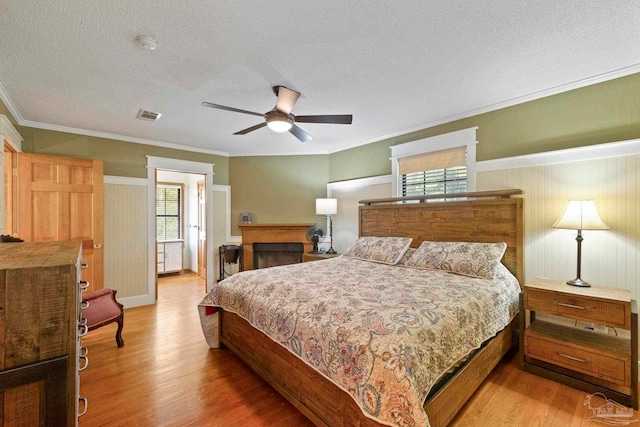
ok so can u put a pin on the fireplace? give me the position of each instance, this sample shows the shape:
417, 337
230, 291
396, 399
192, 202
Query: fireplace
272, 254
272, 233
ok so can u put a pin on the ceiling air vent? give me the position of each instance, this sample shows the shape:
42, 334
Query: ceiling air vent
148, 115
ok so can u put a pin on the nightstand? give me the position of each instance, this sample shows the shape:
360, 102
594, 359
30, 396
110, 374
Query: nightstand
317, 257
564, 351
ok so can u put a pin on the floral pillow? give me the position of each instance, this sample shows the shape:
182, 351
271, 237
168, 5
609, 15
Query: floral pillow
466, 258
406, 257
385, 250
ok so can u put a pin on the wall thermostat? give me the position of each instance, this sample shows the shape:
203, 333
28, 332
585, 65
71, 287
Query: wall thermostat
245, 218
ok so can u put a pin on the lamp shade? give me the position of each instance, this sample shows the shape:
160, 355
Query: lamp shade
326, 206
581, 215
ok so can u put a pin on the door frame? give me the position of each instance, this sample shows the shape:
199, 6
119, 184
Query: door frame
201, 266
185, 166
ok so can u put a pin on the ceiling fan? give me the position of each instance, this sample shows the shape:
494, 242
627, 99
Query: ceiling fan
280, 118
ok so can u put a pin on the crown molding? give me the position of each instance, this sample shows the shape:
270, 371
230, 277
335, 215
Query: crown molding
588, 152
621, 72
600, 78
106, 135
10, 133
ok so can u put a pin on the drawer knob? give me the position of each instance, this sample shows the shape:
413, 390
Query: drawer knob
577, 307
576, 359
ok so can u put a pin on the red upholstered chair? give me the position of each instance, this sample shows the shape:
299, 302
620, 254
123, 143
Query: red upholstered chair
102, 310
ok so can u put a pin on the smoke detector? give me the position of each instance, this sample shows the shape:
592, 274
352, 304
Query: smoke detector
148, 115
147, 42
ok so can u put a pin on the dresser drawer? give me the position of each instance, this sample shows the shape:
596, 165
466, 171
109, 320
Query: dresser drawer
609, 368
610, 313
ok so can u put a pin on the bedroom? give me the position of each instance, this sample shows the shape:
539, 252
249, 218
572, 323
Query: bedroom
589, 113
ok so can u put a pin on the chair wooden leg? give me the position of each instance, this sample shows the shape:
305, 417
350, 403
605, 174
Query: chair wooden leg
119, 339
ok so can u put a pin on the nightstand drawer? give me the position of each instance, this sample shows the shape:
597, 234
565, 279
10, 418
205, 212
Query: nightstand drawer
578, 359
610, 313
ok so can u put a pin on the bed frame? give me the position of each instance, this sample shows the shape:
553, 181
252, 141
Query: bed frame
481, 217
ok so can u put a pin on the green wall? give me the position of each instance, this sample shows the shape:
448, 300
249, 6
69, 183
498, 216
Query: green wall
120, 158
5, 111
604, 112
277, 189
283, 188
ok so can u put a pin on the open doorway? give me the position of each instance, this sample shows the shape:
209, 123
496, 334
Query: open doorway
199, 171
180, 223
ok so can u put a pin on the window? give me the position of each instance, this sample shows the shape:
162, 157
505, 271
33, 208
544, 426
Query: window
438, 172
168, 212
441, 164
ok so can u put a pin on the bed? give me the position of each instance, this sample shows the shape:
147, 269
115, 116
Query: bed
339, 357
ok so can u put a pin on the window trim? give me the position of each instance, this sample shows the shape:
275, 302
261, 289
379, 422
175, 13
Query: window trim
462, 138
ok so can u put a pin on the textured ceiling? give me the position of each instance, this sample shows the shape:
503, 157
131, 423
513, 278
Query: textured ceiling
397, 66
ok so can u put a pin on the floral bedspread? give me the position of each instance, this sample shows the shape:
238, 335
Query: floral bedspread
384, 334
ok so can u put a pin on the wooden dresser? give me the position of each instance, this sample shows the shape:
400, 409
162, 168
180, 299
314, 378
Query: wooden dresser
599, 357
40, 328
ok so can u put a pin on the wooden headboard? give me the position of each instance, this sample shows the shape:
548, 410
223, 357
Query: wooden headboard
489, 216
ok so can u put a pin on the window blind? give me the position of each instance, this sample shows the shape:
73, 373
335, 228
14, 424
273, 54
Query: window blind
438, 172
442, 159
168, 213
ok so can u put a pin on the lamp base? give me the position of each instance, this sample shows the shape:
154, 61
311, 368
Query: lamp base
579, 282
331, 251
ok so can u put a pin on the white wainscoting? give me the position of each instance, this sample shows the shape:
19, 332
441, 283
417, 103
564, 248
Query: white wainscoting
125, 238
610, 258
607, 173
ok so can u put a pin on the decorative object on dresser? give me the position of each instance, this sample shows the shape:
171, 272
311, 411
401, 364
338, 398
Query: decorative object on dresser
328, 207
41, 359
580, 215
589, 360
101, 308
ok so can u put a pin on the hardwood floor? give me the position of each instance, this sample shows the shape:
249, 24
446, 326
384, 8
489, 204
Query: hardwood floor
165, 375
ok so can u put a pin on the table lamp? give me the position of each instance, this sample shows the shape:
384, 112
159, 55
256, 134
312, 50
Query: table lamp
328, 207
580, 215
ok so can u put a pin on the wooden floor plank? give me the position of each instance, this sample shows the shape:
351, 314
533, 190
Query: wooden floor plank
165, 375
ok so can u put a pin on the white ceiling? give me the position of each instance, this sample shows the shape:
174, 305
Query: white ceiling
397, 66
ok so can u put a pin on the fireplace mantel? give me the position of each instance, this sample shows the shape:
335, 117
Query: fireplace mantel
272, 233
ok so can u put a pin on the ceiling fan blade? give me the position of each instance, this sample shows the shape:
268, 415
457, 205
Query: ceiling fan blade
340, 119
286, 99
300, 134
236, 110
251, 129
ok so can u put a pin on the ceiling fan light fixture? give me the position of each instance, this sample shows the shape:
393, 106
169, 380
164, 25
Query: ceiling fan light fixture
279, 122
